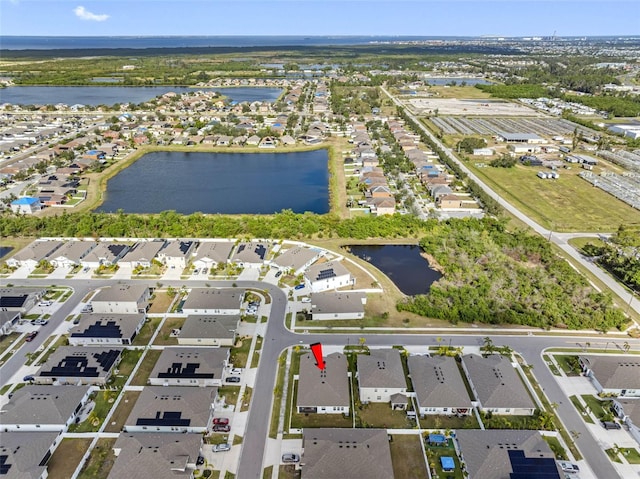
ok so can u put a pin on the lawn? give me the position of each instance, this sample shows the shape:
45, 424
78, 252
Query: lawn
66, 457
7, 340
581, 242
277, 396
267, 472
164, 336
246, 399
569, 364
61, 341
128, 361
612, 452
578, 405
240, 352
319, 420
567, 204
148, 328
381, 415
104, 400
407, 457
100, 461
556, 447
121, 414
160, 303
434, 453
230, 394
149, 361
552, 367
289, 472
598, 407
630, 454
449, 422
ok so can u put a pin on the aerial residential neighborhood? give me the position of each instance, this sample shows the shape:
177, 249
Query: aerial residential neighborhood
311, 241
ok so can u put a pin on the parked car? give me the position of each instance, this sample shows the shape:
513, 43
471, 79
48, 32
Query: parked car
220, 420
290, 457
306, 299
236, 371
568, 467
299, 286
31, 336
232, 379
278, 274
197, 271
200, 461
610, 425
44, 304
221, 447
221, 428
28, 378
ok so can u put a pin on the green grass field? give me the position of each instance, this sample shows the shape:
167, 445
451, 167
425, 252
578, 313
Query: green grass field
567, 204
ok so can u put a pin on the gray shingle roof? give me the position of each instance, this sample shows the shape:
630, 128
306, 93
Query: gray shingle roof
37, 250
328, 387
496, 382
437, 382
97, 325
80, 362
315, 271
210, 298
73, 250
337, 303
155, 455
346, 454
42, 404
217, 251
381, 369
120, 292
25, 451
295, 258
208, 360
615, 372
144, 251
486, 453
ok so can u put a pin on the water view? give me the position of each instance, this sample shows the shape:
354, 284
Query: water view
229, 183
5, 250
403, 264
109, 95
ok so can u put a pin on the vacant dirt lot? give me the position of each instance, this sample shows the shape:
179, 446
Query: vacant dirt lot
455, 106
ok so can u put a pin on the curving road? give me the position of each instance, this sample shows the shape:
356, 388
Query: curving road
278, 338
560, 239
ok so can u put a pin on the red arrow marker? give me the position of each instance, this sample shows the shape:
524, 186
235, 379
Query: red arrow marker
316, 349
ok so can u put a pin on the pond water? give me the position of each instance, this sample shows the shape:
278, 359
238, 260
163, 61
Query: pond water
403, 264
229, 183
109, 95
5, 250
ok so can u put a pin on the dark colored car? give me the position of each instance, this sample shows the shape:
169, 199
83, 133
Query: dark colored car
31, 336
200, 461
278, 274
220, 420
28, 378
610, 425
232, 379
221, 428
299, 286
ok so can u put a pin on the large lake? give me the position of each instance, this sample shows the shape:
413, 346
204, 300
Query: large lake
229, 183
403, 264
109, 95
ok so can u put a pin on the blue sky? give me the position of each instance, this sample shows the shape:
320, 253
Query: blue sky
319, 17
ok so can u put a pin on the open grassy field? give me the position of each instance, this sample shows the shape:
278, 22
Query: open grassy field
100, 461
161, 302
568, 204
66, 458
164, 336
407, 457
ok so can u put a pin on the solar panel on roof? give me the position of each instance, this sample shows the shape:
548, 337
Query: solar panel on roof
261, 251
524, 467
4, 466
15, 301
100, 330
326, 273
167, 418
177, 370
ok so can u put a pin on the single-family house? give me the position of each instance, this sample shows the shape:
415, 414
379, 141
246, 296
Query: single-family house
99, 329
172, 409
176, 253
334, 305
106, 253
328, 275
190, 367
8, 320
155, 455
43, 408
253, 140
34, 253
628, 410
218, 301
323, 391
212, 253
78, 365
335, 453
19, 300
296, 259
71, 253
498, 453
252, 254
127, 298
613, 375
382, 206
380, 375
142, 254
27, 205
439, 386
209, 330
497, 386
26, 454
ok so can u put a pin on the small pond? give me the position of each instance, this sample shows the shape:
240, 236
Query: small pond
403, 264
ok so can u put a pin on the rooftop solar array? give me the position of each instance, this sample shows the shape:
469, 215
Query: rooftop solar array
15, 301
261, 251
524, 467
177, 370
326, 273
167, 418
100, 330
4, 467
77, 365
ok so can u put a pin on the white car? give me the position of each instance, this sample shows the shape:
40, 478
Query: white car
221, 447
306, 299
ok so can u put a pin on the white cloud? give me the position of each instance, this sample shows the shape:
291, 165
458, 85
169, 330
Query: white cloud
85, 14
